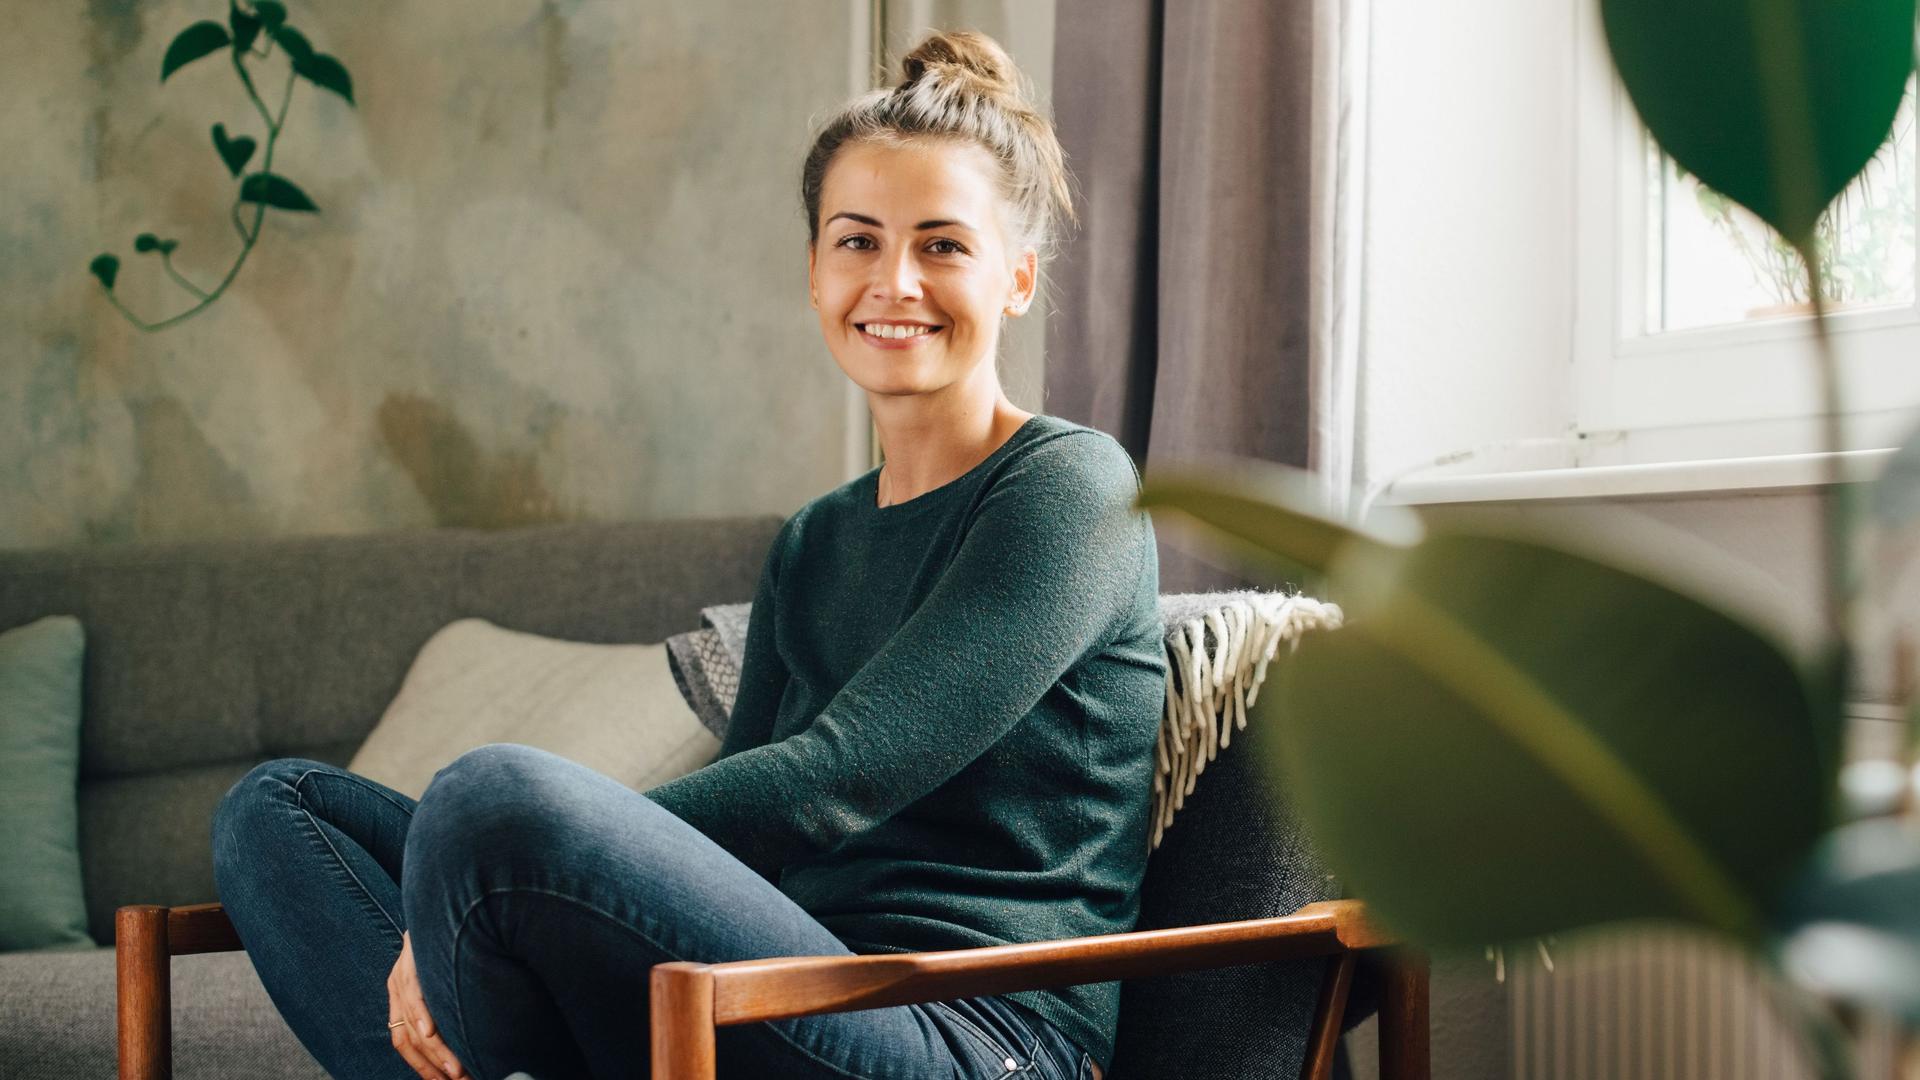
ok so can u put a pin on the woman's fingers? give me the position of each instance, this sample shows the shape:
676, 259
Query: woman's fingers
429, 1042
403, 1043
404, 988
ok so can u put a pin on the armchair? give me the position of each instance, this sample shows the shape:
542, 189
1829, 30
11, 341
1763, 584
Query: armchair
690, 1000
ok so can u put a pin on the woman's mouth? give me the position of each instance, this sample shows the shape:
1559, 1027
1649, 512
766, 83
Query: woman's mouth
895, 335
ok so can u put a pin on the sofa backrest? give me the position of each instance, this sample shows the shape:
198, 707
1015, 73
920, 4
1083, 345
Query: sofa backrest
205, 659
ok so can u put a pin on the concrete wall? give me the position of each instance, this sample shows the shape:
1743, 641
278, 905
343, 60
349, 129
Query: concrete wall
558, 272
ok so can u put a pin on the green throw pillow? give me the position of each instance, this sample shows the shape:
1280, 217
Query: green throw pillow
41, 904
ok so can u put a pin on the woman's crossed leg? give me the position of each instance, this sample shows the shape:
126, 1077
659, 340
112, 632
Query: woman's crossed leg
537, 895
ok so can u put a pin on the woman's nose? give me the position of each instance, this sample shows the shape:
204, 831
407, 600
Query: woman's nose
899, 277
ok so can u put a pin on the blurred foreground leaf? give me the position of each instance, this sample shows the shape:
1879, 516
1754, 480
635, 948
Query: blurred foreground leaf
1274, 514
1516, 741
1852, 924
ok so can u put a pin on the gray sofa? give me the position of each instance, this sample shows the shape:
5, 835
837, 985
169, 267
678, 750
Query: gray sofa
205, 659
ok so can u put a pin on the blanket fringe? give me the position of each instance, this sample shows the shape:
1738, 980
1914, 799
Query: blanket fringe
1215, 665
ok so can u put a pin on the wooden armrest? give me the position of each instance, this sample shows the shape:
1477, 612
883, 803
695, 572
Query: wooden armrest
690, 1001
749, 991
200, 928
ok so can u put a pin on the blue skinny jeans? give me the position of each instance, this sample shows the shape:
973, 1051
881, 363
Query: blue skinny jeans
538, 894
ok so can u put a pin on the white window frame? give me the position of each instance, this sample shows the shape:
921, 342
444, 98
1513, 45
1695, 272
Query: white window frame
1722, 392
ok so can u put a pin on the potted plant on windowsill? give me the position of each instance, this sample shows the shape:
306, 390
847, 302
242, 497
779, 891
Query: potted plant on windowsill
1519, 734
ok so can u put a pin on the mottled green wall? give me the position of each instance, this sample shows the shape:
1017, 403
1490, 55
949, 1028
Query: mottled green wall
559, 271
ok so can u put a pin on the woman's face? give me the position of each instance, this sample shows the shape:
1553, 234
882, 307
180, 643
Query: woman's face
911, 242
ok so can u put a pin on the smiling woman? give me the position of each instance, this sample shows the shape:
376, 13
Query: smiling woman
943, 736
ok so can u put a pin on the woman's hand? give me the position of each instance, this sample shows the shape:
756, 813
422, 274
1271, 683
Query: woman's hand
417, 1040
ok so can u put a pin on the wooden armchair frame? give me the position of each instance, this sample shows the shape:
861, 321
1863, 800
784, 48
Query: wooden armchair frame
690, 1001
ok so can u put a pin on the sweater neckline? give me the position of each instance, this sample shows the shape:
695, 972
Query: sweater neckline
926, 499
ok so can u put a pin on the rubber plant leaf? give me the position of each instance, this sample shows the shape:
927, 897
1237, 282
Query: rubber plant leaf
1516, 741
1776, 103
1273, 515
1851, 926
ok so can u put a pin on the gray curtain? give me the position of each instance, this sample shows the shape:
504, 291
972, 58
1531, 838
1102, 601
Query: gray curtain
1182, 321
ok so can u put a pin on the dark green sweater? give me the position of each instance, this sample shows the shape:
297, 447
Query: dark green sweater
945, 727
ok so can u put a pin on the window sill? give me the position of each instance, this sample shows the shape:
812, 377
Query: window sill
1781, 472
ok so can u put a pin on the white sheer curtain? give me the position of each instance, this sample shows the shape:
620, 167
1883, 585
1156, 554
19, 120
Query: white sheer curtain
1338, 208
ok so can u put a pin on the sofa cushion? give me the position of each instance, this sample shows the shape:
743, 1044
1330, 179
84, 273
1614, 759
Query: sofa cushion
612, 708
60, 1019
41, 901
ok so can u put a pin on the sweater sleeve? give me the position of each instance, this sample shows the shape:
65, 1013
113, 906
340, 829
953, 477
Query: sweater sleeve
1044, 575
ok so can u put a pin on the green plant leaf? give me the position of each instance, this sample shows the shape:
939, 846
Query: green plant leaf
1777, 103
146, 242
1517, 741
1273, 514
235, 152
245, 27
327, 73
106, 268
1851, 926
193, 43
270, 14
1895, 496
166, 246
295, 43
276, 191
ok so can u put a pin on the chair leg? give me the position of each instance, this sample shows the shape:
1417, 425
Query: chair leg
1405, 1053
1327, 1016
682, 1021
144, 992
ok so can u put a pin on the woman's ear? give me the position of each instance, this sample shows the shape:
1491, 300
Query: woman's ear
1026, 277
812, 292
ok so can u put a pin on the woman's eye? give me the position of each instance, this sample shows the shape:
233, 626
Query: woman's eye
848, 240
955, 248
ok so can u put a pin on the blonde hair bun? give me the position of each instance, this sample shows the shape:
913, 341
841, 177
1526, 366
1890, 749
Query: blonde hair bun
965, 53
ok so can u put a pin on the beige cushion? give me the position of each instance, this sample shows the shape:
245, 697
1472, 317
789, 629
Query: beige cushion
612, 708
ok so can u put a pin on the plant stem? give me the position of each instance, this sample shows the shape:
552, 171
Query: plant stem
1837, 536
166, 262
248, 236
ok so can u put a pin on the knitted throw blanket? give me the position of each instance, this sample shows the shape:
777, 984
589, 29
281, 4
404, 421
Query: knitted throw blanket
1218, 648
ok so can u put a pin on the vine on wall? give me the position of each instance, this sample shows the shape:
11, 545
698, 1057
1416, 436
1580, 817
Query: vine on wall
264, 23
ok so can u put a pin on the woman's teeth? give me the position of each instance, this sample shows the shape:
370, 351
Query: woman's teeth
880, 331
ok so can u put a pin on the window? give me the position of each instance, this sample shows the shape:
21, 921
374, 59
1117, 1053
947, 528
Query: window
1711, 263
1692, 331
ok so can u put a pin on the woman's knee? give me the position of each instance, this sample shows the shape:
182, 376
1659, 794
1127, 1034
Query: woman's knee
495, 799
266, 784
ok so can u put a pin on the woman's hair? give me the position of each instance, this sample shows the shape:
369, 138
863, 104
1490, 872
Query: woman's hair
960, 86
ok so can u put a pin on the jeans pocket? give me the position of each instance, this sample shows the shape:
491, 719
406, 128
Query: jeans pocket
1085, 1071
995, 1056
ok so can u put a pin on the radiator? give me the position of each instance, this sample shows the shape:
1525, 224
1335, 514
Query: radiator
1669, 1004
1659, 1004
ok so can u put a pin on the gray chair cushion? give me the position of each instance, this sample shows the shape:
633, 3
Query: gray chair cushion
57, 1019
